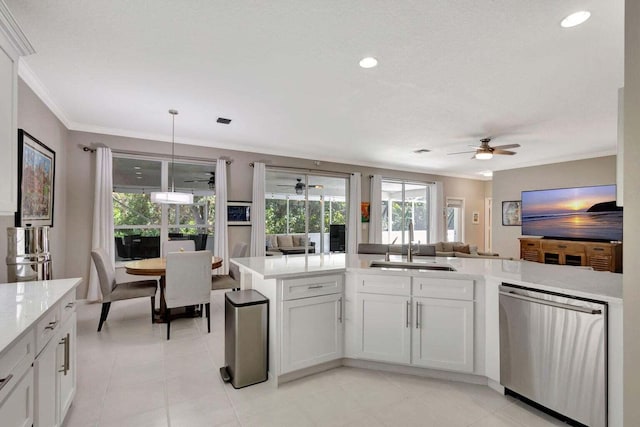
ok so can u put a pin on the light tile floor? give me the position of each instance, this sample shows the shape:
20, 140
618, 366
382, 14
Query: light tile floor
129, 375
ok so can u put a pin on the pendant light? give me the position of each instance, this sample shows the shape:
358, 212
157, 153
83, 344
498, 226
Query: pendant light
172, 197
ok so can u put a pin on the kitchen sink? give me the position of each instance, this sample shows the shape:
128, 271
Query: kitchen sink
411, 265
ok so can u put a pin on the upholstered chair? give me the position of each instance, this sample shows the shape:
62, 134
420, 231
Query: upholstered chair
112, 291
177, 246
188, 282
231, 280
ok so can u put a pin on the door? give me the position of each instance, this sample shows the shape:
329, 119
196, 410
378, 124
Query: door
46, 373
384, 327
312, 331
443, 334
66, 364
16, 410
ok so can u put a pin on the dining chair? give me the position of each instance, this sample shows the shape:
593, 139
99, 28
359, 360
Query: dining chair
177, 246
231, 280
112, 291
188, 282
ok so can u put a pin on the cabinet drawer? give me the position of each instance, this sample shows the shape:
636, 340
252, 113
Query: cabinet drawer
598, 250
563, 247
305, 287
383, 284
460, 289
17, 358
47, 327
68, 305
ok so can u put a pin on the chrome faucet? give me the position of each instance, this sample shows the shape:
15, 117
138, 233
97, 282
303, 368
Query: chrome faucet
410, 249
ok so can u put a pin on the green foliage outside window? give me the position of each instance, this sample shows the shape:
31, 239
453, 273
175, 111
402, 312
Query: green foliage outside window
276, 215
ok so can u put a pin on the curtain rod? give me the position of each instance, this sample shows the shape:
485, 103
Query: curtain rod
410, 181
139, 153
301, 170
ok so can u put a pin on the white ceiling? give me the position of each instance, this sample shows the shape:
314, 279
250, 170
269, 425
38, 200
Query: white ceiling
286, 72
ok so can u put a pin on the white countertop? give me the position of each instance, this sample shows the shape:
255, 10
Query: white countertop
566, 279
22, 304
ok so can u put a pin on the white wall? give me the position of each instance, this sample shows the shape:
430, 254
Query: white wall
631, 287
508, 184
35, 118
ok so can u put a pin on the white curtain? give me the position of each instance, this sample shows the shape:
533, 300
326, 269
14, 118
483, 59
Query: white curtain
375, 210
257, 211
355, 197
102, 235
438, 214
220, 238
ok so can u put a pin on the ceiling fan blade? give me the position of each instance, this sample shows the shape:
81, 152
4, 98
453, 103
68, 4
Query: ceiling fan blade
508, 153
316, 186
505, 147
285, 185
196, 180
462, 152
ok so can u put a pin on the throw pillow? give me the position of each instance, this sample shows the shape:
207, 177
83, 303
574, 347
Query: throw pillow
447, 247
285, 241
462, 248
302, 241
271, 241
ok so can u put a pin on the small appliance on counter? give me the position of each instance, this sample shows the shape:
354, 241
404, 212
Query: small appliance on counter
28, 256
246, 334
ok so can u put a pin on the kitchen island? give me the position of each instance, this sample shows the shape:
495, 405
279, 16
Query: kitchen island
329, 310
37, 351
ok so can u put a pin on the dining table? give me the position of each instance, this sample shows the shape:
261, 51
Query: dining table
158, 267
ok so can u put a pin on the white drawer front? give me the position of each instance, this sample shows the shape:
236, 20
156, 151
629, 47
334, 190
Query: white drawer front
68, 305
18, 357
459, 289
383, 284
47, 327
312, 286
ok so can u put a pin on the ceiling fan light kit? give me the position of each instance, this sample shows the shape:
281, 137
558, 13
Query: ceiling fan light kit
172, 197
486, 152
484, 155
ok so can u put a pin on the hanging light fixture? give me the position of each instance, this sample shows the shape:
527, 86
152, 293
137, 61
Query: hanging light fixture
172, 197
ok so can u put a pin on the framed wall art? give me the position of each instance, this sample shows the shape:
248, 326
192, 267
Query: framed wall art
512, 212
36, 182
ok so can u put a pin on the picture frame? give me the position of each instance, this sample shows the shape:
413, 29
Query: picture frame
364, 212
512, 212
475, 217
36, 182
238, 213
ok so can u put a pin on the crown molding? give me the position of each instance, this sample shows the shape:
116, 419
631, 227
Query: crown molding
13, 33
29, 77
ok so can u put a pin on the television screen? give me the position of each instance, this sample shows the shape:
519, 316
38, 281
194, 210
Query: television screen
581, 213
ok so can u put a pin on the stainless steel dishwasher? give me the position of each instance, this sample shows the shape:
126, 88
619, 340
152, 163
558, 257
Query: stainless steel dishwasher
553, 351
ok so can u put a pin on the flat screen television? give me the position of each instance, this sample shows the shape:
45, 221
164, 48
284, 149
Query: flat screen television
580, 213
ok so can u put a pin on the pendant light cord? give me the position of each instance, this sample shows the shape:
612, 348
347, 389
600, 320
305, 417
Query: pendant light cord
173, 145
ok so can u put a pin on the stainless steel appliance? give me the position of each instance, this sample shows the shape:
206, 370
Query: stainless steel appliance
28, 256
246, 338
553, 351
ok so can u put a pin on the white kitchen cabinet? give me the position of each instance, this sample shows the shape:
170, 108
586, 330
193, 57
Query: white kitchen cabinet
16, 409
383, 327
443, 334
45, 371
312, 331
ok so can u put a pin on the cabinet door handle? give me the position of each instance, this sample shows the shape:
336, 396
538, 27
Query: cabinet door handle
67, 347
316, 287
70, 305
51, 325
340, 309
418, 315
408, 311
5, 381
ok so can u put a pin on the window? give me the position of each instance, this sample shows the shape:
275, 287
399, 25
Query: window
403, 201
455, 214
140, 225
298, 203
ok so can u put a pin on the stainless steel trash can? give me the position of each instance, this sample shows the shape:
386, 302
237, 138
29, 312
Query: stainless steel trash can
28, 256
246, 338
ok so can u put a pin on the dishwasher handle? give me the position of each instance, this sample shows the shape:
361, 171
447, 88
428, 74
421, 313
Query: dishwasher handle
551, 303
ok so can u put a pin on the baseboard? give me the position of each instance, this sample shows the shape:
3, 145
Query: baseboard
291, 376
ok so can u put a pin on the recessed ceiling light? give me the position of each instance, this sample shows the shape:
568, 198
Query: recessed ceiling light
138, 173
575, 19
368, 62
137, 167
139, 177
486, 173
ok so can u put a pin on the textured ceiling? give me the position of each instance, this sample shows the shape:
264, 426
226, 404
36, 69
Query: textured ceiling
286, 72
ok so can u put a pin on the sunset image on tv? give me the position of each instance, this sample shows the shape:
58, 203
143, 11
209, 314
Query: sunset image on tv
586, 213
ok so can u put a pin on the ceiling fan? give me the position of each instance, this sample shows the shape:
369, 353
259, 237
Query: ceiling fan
211, 181
299, 187
485, 151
